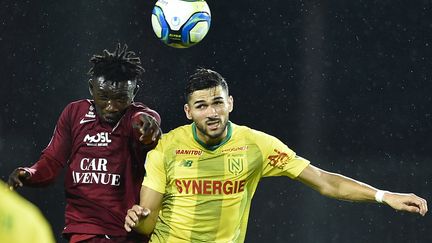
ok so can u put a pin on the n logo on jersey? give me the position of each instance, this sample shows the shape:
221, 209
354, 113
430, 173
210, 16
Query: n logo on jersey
235, 163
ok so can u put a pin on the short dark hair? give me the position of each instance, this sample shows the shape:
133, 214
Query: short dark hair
117, 66
204, 78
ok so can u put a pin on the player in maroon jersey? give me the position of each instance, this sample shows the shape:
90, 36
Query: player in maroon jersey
102, 143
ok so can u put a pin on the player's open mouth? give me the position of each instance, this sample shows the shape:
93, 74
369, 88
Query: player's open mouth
213, 125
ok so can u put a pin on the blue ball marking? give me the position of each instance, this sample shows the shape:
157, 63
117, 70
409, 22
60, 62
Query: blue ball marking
157, 11
192, 21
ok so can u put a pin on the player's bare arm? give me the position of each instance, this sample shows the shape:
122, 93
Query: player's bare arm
142, 218
344, 188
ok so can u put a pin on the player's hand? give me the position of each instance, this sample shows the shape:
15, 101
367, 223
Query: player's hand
148, 128
17, 177
134, 215
406, 202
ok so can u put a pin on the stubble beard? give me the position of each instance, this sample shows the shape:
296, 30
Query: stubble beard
214, 136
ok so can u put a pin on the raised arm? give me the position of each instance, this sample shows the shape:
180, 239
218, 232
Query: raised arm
142, 218
147, 127
344, 188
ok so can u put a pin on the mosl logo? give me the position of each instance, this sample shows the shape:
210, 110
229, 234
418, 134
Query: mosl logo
100, 139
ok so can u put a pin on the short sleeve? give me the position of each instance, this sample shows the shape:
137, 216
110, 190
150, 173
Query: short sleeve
279, 160
155, 177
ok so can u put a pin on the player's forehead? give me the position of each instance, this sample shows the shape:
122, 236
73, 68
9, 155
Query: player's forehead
209, 94
101, 85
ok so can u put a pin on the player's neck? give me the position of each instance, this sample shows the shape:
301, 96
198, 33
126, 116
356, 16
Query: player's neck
212, 143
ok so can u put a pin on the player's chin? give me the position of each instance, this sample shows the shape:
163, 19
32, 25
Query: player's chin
111, 119
215, 133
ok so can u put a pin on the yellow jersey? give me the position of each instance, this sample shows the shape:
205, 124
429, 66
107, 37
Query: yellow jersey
208, 190
21, 221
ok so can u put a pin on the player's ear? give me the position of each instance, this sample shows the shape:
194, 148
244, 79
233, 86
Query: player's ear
187, 111
230, 103
90, 83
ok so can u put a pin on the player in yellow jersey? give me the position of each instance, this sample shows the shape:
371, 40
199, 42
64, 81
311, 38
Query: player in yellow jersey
201, 177
21, 221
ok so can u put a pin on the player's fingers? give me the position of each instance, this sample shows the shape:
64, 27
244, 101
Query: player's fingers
146, 123
146, 133
146, 212
417, 201
156, 135
411, 209
15, 177
142, 138
137, 209
127, 226
423, 206
133, 215
14, 181
130, 221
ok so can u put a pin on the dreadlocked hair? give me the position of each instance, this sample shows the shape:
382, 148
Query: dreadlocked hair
204, 78
117, 66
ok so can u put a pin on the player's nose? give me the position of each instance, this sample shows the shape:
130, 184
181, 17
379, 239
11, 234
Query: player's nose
211, 112
111, 107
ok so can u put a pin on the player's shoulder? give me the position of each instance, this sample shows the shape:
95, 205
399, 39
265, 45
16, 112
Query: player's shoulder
79, 108
242, 130
179, 135
250, 134
80, 104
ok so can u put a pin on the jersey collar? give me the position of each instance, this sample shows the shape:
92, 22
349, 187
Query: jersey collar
212, 147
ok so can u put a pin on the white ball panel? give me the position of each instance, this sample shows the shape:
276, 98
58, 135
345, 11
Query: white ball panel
198, 32
177, 12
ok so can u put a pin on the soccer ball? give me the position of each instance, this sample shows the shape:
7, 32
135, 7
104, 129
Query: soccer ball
181, 23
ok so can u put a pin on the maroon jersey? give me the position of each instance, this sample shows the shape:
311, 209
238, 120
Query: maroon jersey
105, 167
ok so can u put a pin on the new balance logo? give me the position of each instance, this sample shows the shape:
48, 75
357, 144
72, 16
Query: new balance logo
86, 120
100, 140
186, 163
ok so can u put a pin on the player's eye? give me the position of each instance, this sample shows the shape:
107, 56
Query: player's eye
121, 101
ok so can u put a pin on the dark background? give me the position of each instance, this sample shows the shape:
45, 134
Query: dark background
346, 84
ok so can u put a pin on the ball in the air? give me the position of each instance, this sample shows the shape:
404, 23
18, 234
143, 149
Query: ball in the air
181, 23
